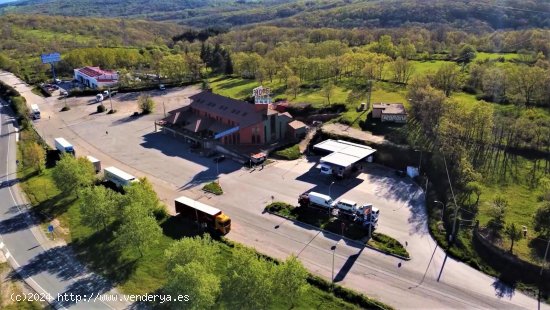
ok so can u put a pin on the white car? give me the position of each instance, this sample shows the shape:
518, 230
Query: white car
162, 87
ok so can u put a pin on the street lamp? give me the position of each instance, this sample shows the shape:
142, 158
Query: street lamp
111, 99
333, 248
332, 183
444, 205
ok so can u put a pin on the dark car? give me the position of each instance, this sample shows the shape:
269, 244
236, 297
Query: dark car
220, 158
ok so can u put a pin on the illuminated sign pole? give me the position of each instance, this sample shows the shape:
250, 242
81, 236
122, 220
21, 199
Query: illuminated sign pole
51, 59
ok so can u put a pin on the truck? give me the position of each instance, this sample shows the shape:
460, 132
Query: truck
35, 111
96, 162
63, 146
316, 200
119, 177
205, 215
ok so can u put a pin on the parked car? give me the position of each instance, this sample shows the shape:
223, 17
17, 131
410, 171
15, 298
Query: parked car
162, 87
220, 158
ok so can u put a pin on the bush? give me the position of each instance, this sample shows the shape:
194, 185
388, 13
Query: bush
111, 111
101, 108
65, 108
146, 104
388, 244
213, 187
290, 153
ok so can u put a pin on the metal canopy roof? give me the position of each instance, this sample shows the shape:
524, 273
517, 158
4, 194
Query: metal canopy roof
344, 153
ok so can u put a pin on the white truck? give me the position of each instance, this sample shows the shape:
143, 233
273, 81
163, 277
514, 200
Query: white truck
96, 162
35, 111
119, 177
316, 199
63, 146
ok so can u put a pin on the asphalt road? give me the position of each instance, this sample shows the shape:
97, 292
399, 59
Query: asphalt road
50, 269
430, 280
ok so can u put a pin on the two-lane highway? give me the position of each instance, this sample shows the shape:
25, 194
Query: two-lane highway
50, 269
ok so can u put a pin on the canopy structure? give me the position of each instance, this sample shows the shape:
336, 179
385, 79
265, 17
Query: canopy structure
343, 153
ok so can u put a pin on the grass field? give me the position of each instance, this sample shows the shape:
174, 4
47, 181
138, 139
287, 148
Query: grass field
493, 56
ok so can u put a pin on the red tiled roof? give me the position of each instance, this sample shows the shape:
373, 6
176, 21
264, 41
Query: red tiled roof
241, 112
296, 124
94, 71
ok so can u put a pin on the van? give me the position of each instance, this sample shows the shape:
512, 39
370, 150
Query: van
317, 199
347, 205
326, 169
98, 98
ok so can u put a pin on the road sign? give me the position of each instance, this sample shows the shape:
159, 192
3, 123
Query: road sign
50, 228
50, 58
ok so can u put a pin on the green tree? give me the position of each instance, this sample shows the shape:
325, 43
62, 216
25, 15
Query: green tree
542, 220
198, 282
34, 156
497, 213
293, 85
142, 195
197, 249
513, 233
146, 104
72, 173
466, 54
249, 282
402, 70
447, 78
98, 206
328, 90
290, 280
138, 230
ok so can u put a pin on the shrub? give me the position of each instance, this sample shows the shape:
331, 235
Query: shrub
65, 108
213, 187
100, 108
146, 104
111, 111
290, 153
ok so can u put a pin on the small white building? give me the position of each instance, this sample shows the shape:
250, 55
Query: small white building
390, 112
342, 156
94, 77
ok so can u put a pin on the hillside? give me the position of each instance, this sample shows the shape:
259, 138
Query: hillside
484, 14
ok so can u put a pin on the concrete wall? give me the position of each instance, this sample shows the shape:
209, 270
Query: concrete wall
377, 113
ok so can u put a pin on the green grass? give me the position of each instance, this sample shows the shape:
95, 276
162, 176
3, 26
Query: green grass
9, 287
290, 153
387, 244
494, 56
213, 187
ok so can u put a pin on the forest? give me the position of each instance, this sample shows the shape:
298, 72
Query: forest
465, 14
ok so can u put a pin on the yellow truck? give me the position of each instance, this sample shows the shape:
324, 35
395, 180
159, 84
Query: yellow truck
203, 214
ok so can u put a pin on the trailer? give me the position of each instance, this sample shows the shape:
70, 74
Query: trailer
205, 215
35, 111
96, 162
119, 177
63, 146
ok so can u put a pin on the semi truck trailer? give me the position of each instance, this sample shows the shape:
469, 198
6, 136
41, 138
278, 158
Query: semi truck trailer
96, 162
119, 177
205, 215
63, 146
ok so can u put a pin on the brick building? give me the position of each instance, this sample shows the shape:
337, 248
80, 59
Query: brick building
234, 122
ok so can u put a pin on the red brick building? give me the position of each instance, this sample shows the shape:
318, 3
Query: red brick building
214, 117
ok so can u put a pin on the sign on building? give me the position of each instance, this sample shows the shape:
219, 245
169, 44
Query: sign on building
50, 58
262, 95
226, 133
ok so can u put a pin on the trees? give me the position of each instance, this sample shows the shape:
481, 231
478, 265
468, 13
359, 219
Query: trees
72, 173
141, 194
291, 280
327, 90
402, 70
427, 105
196, 281
98, 206
525, 83
293, 85
541, 220
34, 155
466, 54
250, 281
496, 214
513, 233
174, 67
146, 104
447, 78
198, 249
138, 230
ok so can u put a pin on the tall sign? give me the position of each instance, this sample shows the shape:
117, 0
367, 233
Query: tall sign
51, 59
262, 95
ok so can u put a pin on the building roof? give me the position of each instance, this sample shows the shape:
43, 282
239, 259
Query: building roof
198, 205
390, 108
296, 124
95, 71
344, 153
241, 112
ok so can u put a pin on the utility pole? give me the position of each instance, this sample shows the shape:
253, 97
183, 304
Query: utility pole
111, 99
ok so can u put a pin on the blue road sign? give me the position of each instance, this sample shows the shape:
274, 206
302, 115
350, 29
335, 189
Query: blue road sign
50, 228
50, 58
